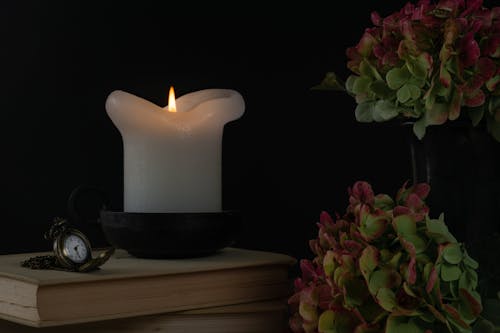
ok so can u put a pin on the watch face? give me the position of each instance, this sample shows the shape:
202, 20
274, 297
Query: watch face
76, 249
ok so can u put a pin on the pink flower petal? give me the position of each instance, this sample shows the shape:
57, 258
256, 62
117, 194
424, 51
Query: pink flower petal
408, 8
432, 280
401, 210
472, 6
308, 271
325, 296
413, 201
309, 296
366, 44
422, 190
492, 46
476, 99
474, 305
444, 76
379, 51
412, 270
325, 219
376, 19
450, 6
495, 13
299, 284
362, 192
469, 50
486, 68
493, 82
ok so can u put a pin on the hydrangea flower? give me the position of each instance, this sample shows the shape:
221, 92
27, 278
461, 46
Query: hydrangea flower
432, 62
385, 266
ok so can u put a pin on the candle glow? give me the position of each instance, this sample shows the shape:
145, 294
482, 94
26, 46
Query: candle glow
171, 100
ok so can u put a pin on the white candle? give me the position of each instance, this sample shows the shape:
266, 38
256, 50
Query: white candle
172, 160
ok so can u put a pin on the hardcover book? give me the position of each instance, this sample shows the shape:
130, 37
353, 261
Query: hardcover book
254, 317
126, 286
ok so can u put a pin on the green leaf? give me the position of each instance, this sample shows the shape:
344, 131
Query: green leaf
326, 322
469, 261
383, 278
385, 110
368, 261
437, 115
393, 262
405, 225
491, 310
364, 112
435, 312
408, 92
467, 281
418, 109
330, 82
381, 90
450, 272
423, 258
483, 326
361, 85
403, 94
393, 322
349, 84
470, 303
427, 271
453, 288
472, 276
402, 324
365, 97
371, 311
494, 128
430, 99
367, 69
308, 311
494, 105
329, 263
372, 226
386, 299
419, 128
457, 326
476, 114
408, 290
415, 91
410, 327
356, 292
344, 323
452, 253
419, 244
384, 202
420, 66
337, 273
396, 77
420, 83
492, 83
437, 230
441, 90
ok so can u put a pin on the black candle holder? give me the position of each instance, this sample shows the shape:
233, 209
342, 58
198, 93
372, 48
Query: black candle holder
170, 235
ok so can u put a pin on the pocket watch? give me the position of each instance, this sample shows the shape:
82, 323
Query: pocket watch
72, 248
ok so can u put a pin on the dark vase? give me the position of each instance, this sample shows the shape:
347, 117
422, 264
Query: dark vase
461, 163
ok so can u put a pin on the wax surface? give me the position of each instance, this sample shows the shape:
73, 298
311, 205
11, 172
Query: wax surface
172, 160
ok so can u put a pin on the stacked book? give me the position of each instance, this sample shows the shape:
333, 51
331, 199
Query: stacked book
235, 290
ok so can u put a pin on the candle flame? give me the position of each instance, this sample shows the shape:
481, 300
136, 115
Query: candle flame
171, 100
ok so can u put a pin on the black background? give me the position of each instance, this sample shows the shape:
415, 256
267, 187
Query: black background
293, 153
